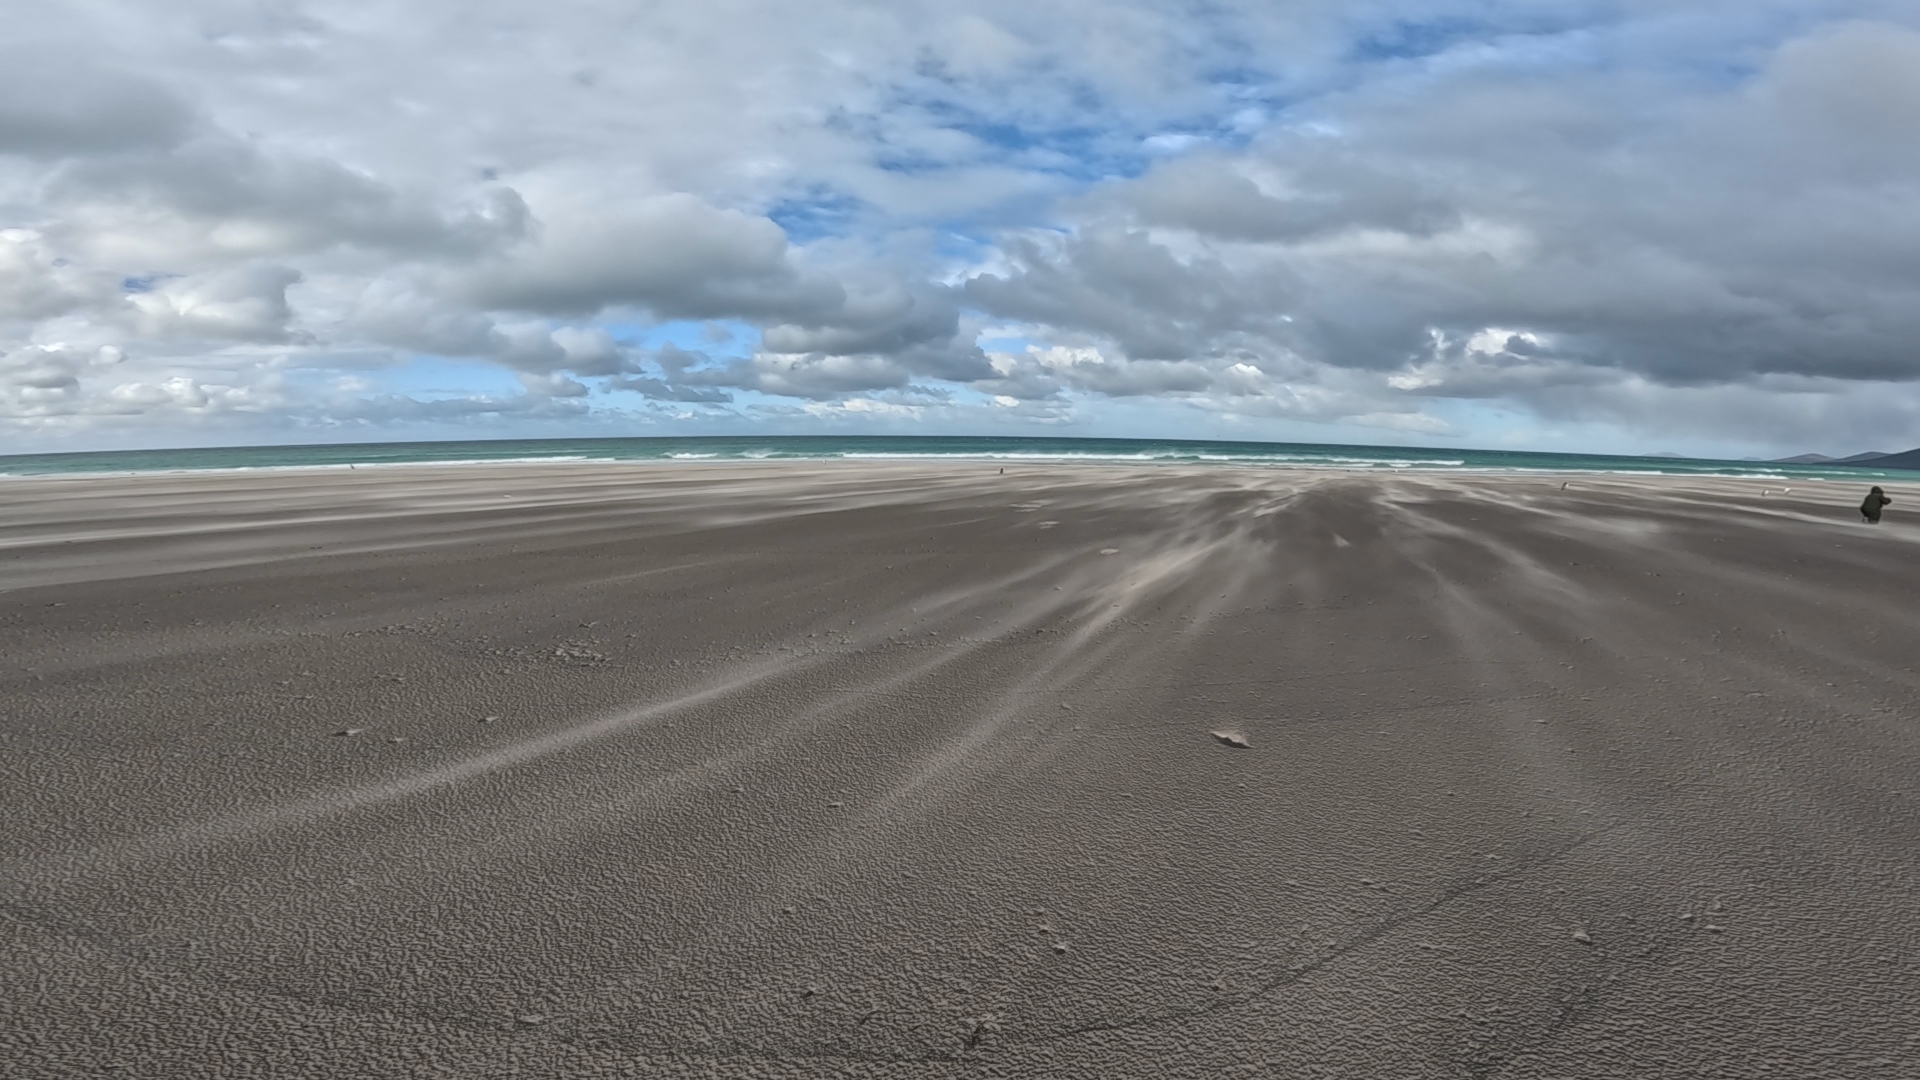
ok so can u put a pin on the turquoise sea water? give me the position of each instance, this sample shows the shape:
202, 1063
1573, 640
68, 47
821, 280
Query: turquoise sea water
884, 447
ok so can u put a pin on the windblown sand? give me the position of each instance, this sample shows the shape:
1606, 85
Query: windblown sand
837, 770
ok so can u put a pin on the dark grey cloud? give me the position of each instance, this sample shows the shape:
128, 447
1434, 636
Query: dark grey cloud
919, 326
56, 107
1209, 196
674, 257
41, 380
1121, 284
234, 198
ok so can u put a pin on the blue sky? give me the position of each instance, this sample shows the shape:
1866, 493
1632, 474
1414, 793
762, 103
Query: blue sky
1558, 225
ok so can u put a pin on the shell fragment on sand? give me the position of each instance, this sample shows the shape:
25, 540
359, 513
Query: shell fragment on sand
1232, 738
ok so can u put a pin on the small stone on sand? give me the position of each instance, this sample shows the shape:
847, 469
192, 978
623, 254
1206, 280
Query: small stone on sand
489, 719
349, 731
531, 1018
1581, 937
1232, 738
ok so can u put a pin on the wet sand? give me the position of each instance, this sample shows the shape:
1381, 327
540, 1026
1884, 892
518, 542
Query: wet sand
911, 771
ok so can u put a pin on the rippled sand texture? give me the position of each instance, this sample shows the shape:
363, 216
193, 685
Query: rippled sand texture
926, 771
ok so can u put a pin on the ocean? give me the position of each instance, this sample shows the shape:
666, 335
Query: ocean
906, 448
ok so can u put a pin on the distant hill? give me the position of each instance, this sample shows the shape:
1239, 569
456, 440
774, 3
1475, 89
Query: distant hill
1906, 459
1874, 456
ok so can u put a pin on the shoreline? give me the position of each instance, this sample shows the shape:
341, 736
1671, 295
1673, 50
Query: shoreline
991, 450
957, 460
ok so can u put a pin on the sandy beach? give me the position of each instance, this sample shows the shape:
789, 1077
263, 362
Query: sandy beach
916, 770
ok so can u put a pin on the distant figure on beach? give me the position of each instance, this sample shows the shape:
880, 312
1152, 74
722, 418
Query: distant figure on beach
1870, 509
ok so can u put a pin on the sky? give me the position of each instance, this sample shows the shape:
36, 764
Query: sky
1631, 226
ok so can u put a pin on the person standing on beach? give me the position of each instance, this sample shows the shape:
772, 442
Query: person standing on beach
1870, 509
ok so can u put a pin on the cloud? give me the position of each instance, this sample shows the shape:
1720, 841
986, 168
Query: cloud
812, 376
1212, 196
177, 394
404, 314
555, 386
674, 257
35, 283
1855, 85
1088, 369
1635, 220
56, 107
1751, 234
218, 197
246, 303
917, 326
1123, 285
661, 390
38, 381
